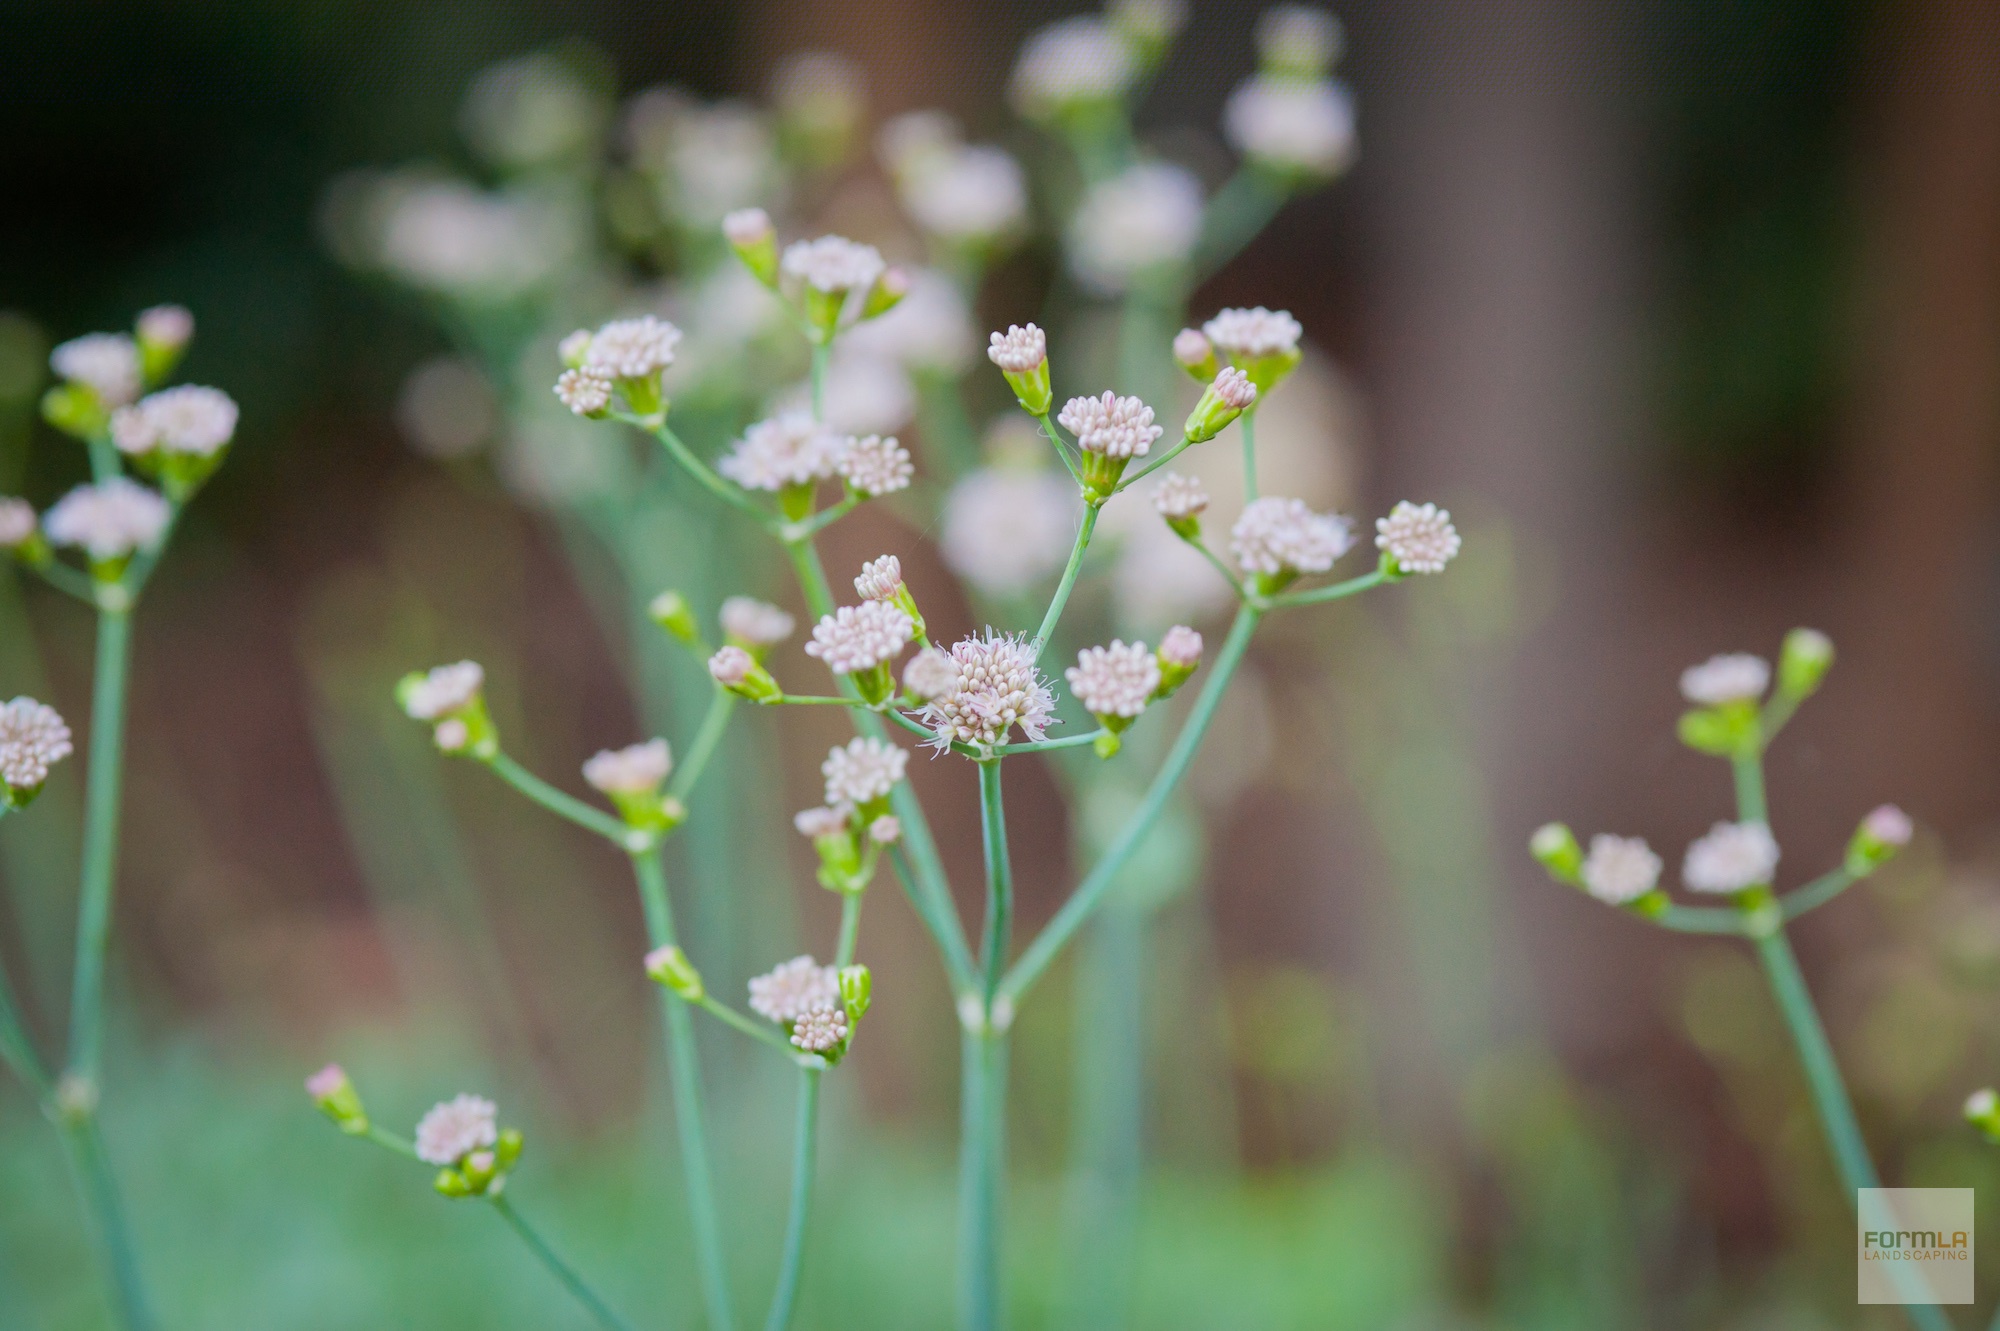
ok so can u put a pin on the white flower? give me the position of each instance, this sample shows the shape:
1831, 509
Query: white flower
747, 226
534, 111
105, 363
1298, 37
791, 448
1982, 1103
110, 520
1118, 680
1889, 825
166, 326
886, 830
1181, 646
447, 408
788, 991
1179, 496
1275, 534
863, 769
1737, 677
1019, 349
966, 194
637, 769
1006, 529
33, 739
17, 521
455, 1129
445, 689
859, 637
759, 623
719, 159
821, 1028
1146, 217
1255, 332
816, 823
875, 466
1620, 869
632, 348
930, 328
1149, 21
996, 688
1233, 386
1192, 349
930, 672
583, 391
832, 264
880, 579
1118, 427
1077, 60
1732, 857
731, 665
1420, 539
1296, 124
449, 236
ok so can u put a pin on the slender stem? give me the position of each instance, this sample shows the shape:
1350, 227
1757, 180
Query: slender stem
559, 803
102, 796
1337, 591
981, 1169
684, 1060
1247, 424
1044, 745
104, 463
814, 700
1817, 893
821, 353
805, 1149
16, 1047
713, 723
806, 528
1700, 920
1068, 583
66, 579
113, 1236
1235, 214
756, 1031
1132, 478
1776, 713
391, 1141
1750, 787
1242, 592
708, 478
850, 929
1062, 449
1090, 893
999, 929
560, 1269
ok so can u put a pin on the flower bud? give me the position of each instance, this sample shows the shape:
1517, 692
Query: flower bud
1803, 662
1720, 731
162, 334
75, 410
1555, 846
1194, 353
574, 350
1982, 1111
453, 1184
750, 233
855, 987
1179, 656
1022, 353
336, 1097
1227, 396
1885, 831
669, 966
886, 294
507, 1150
670, 610
738, 671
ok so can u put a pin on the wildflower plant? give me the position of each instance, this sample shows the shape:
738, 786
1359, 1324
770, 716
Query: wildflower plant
1736, 713
150, 448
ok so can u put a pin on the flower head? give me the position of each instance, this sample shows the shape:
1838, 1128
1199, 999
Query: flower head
632, 348
930, 673
965, 193
996, 687
886, 830
822, 821
1420, 539
1079, 60
456, 1128
327, 1082
858, 637
105, 363
1620, 869
1889, 825
637, 769
880, 579
832, 264
1293, 124
1254, 332
1298, 38
1146, 217
1181, 646
788, 449
1117, 427
1276, 535
1193, 349
108, 520
188, 419
789, 990
757, 623
862, 770
17, 522
1736, 677
1179, 496
747, 226
583, 392
731, 665
443, 690
170, 326
875, 466
822, 1027
1235, 389
33, 739
1732, 857
1019, 349
1118, 680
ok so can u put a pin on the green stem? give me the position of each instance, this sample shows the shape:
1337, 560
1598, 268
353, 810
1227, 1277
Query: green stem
1045, 745
684, 1060
999, 928
755, 1030
114, 1238
805, 1148
1132, 478
559, 803
66, 579
713, 723
104, 464
821, 353
1068, 583
1090, 893
982, 1165
1242, 592
1817, 893
1062, 449
1700, 920
850, 929
1247, 424
559, 1268
391, 1141
1235, 214
1338, 591
709, 479
102, 796
1750, 787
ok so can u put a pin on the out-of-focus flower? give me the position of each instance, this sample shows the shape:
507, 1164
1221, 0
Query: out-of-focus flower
187, 419
996, 687
584, 392
832, 264
1195, 353
1179, 497
637, 769
1181, 646
1008, 528
1731, 858
1275, 536
886, 830
875, 466
1420, 538
1069, 67
1295, 126
719, 159
169, 327
788, 991
1619, 870
17, 522
105, 363
33, 738
1736, 677
1115, 681
1889, 825
929, 329
443, 690
1253, 332
1298, 40
755, 624
1160, 578
446, 408
820, 822
821, 101
966, 195
450, 237
533, 112
456, 1128
788, 449
862, 770
930, 673
631, 348
1146, 218
109, 520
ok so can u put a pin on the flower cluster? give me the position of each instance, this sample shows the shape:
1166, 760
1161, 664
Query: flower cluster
110, 520
33, 738
452, 698
790, 449
994, 686
1418, 538
1279, 539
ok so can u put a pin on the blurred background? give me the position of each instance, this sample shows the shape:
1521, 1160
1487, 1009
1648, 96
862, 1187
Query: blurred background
1691, 316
